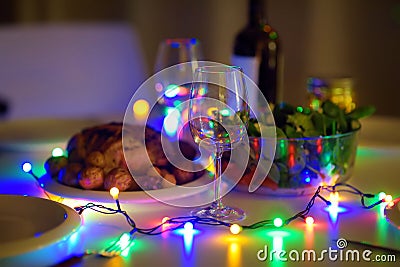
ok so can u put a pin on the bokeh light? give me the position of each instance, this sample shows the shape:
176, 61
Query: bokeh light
172, 122
141, 109
159, 87
225, 112
172, 90
202, 91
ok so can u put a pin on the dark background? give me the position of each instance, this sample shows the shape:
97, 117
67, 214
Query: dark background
357, 38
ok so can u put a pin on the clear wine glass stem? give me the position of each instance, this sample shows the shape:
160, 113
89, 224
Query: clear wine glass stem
217, 173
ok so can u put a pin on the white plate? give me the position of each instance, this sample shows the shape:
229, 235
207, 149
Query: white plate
393, 213
56, 188
35, 231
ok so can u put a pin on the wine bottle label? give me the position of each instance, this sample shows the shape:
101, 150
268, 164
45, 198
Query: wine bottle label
251, 67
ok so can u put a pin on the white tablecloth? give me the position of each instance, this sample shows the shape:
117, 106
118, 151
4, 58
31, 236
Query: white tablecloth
377, 169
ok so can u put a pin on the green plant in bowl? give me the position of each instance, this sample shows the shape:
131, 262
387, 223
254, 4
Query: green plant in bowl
313, 147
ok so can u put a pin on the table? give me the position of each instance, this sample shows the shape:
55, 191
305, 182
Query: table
377, 168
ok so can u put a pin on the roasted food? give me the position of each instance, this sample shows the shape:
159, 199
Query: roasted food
120, 178
69, 174
91, 178
96, 160
54, 164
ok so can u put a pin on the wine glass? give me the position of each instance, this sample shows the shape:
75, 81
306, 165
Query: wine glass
170, 52
173, 51
218, 117
169, 90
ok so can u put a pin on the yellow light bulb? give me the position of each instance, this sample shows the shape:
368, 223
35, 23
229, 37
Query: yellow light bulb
164, 220
388, 198
114, 192
309, 220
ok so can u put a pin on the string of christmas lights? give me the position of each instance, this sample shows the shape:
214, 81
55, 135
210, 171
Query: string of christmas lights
187, 222
180, 222
27, 167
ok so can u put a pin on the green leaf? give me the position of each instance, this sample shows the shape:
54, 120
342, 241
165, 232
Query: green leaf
280, 133
291, 132
361, 112
330, 109
300, 120
330, 120
253, 129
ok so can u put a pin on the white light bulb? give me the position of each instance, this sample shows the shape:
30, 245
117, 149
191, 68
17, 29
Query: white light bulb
27, 167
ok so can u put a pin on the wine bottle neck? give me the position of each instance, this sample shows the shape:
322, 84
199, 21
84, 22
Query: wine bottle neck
256, 15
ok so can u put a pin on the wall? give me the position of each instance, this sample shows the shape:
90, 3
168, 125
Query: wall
214, 23
354, 38
357, 38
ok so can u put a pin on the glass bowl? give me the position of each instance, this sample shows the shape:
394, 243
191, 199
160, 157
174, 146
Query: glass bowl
300, 165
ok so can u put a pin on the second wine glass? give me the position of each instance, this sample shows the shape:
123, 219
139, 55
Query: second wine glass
218, 118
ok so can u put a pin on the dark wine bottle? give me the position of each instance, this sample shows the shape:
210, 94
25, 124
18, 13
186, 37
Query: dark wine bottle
256, 50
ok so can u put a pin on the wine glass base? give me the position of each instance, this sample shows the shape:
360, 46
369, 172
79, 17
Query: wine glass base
226, 213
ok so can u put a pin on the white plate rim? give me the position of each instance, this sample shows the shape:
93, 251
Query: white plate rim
69, 226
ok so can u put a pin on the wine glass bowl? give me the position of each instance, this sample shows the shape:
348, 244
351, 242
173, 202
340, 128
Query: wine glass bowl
218, 118
222, 126
184, 54
176, 60
173, 51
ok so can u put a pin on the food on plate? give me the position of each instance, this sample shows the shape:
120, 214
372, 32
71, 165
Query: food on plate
68, 175
54, 164
91, 178
120, 178
186, 174
96, 160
